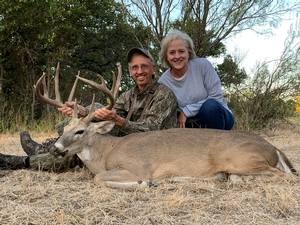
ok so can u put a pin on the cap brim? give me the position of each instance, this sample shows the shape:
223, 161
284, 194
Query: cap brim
137, 50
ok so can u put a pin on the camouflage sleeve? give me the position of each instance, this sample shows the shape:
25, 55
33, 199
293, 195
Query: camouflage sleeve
161, 111
48, 162
122, 104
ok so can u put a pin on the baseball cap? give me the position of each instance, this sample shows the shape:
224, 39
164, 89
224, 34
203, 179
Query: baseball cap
139, 50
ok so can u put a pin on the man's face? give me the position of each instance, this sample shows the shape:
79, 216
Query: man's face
141, 70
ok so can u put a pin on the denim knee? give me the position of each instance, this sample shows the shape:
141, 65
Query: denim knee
213, 115
209, 106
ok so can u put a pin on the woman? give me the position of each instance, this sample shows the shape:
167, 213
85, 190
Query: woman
195, 83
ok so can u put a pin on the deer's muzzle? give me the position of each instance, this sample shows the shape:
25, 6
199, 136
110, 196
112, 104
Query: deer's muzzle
56, 152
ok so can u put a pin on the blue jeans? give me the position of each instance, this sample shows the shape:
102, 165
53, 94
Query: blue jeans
211, 115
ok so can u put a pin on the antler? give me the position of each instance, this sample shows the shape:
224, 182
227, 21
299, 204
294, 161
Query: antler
116, 82
45, 98
111, 94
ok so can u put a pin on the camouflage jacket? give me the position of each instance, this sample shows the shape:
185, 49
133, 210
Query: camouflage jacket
160, 113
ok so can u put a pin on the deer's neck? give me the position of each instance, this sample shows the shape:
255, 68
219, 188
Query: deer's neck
94, 153
85, 155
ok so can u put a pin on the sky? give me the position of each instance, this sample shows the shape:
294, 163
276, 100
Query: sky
258, 47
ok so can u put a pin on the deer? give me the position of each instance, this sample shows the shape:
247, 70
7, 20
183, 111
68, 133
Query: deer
149, 157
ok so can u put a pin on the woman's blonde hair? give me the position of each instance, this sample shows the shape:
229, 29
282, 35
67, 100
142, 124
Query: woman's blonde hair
173, 35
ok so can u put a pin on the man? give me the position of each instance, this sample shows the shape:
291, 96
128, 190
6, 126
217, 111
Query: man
148, 106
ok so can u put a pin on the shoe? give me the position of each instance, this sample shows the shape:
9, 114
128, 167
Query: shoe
14, 162
29, 145
46, 146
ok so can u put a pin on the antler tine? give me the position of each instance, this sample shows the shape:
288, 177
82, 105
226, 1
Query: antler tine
113, 83
75, 110
91, 114
73, 88
45, 98
56, 83
101, 87
116, 82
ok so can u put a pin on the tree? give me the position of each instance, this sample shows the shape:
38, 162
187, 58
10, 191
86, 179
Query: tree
267, 95
230, 73
36, 34
209, 23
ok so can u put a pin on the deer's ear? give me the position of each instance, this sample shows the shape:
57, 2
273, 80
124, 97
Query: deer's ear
104, 127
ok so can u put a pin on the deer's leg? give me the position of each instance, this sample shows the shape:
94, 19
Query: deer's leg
122, 176
257, 166
270, 174
274, 174
127, 185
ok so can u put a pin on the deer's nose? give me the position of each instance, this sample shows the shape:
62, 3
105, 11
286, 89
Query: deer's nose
57, 153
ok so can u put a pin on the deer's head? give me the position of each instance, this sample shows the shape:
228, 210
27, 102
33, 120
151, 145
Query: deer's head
79, 129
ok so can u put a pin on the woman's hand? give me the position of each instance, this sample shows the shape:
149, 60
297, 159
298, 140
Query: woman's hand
181, 120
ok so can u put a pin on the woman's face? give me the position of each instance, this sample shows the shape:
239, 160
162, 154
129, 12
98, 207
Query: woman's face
178, 55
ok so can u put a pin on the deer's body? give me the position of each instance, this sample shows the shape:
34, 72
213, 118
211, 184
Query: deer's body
155, 155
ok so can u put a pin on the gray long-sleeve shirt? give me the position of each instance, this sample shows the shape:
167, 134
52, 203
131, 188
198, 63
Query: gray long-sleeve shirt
201, 82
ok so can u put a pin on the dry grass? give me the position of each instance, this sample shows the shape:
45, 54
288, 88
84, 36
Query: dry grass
35, 197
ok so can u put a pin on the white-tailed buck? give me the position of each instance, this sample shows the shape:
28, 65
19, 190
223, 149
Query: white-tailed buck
155, 155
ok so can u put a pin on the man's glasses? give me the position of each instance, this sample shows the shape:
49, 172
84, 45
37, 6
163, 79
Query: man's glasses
144, 67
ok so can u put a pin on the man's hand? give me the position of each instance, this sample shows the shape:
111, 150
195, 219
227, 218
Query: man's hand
106, 114
70, 107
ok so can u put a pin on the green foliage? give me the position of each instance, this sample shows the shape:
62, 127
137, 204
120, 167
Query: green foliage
264, 98
34, 35
230, 73
254, 111
267, 95
204, 45
14, 120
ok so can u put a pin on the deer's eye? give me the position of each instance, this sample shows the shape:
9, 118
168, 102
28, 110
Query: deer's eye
79, 132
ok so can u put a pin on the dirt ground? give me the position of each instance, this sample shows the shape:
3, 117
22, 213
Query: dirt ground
37, 197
